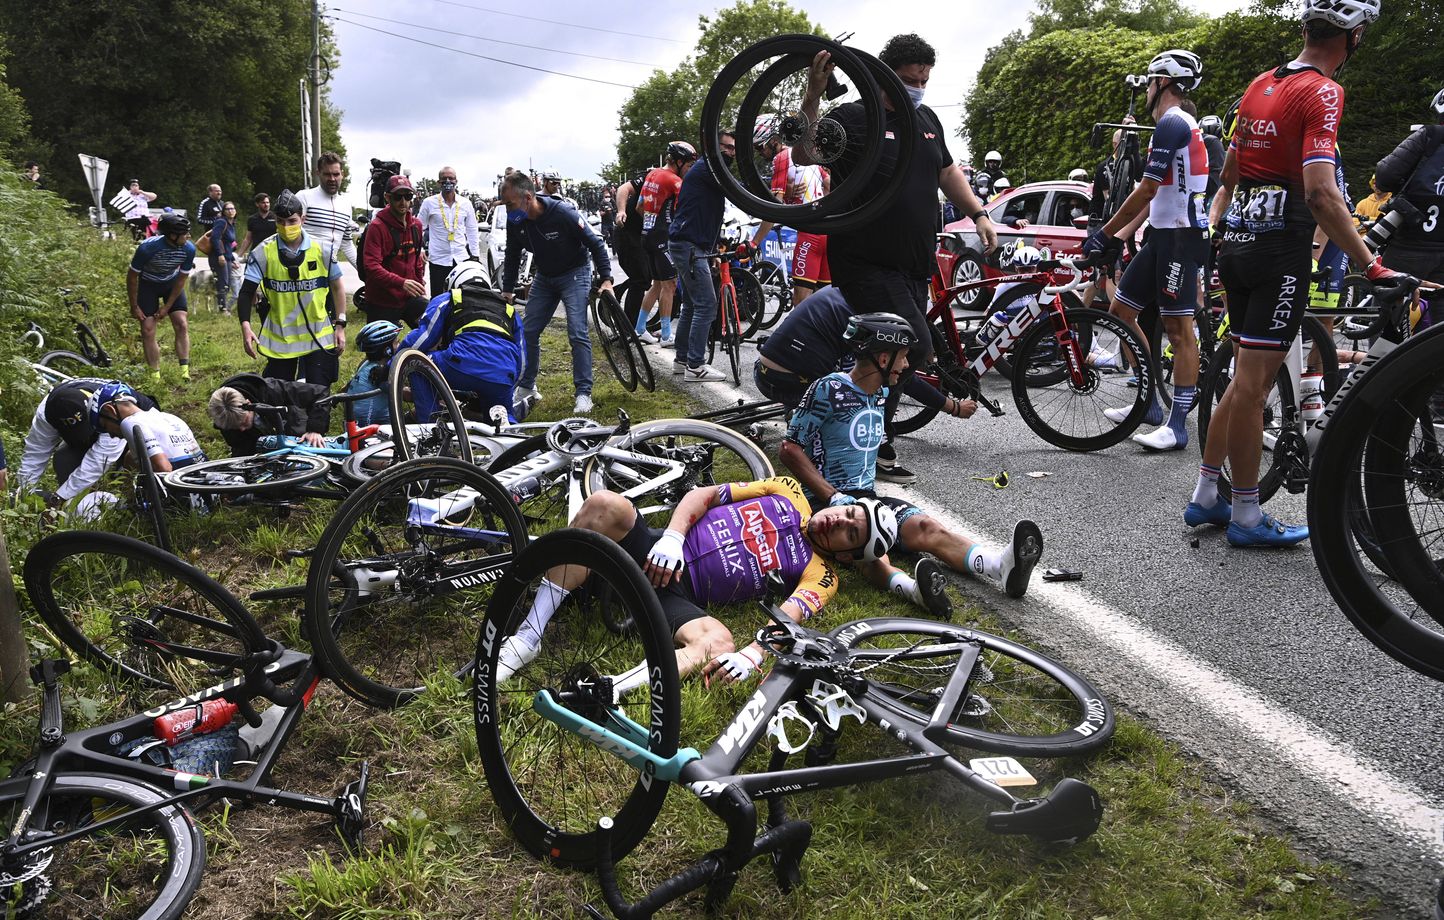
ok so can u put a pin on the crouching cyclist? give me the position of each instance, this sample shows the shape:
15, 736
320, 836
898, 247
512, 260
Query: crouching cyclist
377, 343
474, 336
831, 446
695, 562
165, 439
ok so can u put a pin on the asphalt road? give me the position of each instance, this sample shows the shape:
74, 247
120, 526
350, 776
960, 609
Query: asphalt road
1240, 657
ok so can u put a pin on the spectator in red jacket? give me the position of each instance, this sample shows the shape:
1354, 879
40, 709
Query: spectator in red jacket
394, 259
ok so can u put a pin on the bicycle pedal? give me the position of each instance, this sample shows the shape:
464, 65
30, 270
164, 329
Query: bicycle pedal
351, 809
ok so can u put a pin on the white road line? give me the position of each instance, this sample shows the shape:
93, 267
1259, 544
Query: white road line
1365, 785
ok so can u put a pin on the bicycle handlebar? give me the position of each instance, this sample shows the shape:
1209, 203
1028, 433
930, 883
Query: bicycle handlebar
1072, 284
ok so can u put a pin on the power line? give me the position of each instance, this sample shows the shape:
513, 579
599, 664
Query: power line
555, 73
410, 25
555, 22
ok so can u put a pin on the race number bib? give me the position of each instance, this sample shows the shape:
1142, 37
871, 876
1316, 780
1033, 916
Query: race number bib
649, 220
1259, 209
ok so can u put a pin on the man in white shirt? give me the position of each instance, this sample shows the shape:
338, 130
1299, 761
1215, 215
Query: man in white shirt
139, 214
327, 219
450, 223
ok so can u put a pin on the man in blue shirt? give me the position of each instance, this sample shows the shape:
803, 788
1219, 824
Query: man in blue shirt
156, 285
560, 240
831, 446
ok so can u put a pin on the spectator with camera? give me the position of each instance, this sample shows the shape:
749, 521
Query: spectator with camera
1413, 222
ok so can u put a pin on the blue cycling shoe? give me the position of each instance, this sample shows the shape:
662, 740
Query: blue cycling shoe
1268, 532
1218, 514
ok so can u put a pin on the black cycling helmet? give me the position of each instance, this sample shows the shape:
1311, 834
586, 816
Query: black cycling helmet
287, 204
173, 224
1211, 124
1230, 120
873, 333
681, 151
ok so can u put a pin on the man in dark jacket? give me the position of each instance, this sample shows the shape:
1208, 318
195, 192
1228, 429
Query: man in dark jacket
1415, 173
394, 260
560, 240
231, 409
61, 431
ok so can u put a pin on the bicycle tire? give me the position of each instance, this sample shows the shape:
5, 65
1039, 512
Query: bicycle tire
1409, 628
150, 488
776, 292
1081, 424
260, 474
552, 803
68, 362
145, 869
544, 509
614, 343
1018, 702
671, 438
391, 599
374, 459
139, 612
447, 424
1276, 414
912, 415
646, 378
731, 334
749, 301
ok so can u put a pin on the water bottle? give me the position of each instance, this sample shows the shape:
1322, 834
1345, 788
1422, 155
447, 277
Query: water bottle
991, 328
1311, 397
200, 719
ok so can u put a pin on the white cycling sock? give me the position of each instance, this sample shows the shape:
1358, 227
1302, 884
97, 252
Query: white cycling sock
906, 587
986, 562
548, 598
1246, 510
1205, 494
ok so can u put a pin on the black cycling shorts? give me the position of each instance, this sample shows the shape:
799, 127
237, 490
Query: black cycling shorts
659, 262
678, 604
783, 386
1267, 283
149, 295
1165, 272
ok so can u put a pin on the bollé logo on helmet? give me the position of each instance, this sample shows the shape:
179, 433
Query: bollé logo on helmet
892, 337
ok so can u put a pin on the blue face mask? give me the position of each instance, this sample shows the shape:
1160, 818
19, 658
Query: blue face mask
915, 94
448, 185
515, 215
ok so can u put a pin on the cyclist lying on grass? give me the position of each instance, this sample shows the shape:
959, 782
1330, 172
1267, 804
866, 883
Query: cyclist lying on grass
831, 446
720, 546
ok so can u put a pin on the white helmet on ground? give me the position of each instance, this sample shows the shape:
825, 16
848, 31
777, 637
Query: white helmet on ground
1184, 67
1078, 175
992, 158
467, 273
881, 529
1346, 14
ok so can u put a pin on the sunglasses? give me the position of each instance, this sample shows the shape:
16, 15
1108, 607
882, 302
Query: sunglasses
403, 196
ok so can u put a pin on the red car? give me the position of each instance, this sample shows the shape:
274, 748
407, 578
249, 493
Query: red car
1056, 214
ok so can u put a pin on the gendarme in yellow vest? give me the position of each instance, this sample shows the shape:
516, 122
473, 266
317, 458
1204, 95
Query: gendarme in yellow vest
297, 323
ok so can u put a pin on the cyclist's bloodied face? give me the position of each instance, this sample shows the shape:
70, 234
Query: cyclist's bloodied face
838, 529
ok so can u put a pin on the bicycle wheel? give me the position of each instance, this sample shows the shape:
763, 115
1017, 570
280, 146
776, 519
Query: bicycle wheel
614, 344
444, 436
376, 458
1381, 436
151, 495
402, 574
1017, 701
542, 500
1069, 413
1282, 444
776, 292
749, 301
139, 612
731, 333
710, 455
262, 474
640, 359
550, 783
912, 415
144, 868
771, 77
68, 362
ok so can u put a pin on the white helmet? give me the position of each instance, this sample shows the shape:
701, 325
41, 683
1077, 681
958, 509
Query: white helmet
1346, 14
764, 129
1438, 102
992, 156
467, 272
1025, 257
1001, 185
1183, 67
881, 529
1078, 175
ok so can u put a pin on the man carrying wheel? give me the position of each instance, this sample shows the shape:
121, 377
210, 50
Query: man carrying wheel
1278, 183
831, 444
1164, 274
721, 546
886, 265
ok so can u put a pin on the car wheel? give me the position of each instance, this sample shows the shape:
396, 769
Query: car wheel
969, 267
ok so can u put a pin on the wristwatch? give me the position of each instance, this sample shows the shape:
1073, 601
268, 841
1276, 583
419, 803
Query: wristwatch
340, 321
981, 213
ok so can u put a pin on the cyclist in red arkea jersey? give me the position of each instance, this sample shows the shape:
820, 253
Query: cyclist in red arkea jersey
721, 545
1278, 183
658, 201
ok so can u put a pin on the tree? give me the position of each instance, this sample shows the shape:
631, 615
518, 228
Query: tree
668, 106
178, 94
1156, 16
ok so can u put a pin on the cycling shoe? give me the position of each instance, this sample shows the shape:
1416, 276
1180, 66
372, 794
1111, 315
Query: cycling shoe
1268, 532
1220, 514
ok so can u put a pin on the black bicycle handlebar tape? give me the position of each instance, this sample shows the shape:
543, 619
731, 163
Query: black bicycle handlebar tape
1391, 299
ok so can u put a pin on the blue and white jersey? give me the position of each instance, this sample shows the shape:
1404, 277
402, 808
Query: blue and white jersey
157, 260
840, 427
1178, 162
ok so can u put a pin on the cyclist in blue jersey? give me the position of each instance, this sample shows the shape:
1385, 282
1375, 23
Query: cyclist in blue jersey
377, 341
1164, 274
720, 546
156, 285
831, 446
475, 338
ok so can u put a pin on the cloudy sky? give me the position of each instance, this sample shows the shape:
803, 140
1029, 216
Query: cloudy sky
429, 107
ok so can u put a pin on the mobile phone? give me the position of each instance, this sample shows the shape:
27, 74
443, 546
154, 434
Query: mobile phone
1062, 575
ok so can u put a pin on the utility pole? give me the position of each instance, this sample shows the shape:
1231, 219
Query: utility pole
315, 86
